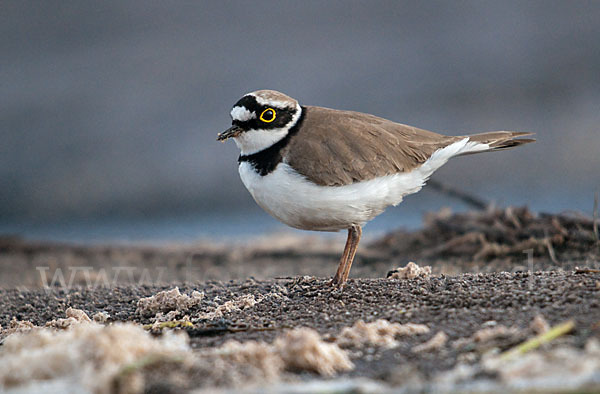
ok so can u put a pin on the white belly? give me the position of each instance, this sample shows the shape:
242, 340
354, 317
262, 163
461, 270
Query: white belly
299, 203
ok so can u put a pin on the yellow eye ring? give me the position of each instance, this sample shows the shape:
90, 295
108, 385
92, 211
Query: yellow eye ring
266, 111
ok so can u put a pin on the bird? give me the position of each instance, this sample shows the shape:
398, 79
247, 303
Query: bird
322, 169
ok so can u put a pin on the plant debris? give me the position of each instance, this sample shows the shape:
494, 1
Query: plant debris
303, 348
74, 317
494, 239
379, 333
167, 301
411, 271
437, 342
87, 353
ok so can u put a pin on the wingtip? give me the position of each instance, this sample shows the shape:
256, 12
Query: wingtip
516, 136
520, 133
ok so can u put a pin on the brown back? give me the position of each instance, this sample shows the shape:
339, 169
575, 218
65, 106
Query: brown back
335, 148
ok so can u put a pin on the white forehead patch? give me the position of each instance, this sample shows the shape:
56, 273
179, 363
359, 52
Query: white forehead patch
242, 114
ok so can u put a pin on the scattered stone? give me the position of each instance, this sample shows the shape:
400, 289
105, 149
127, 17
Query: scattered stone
163, 317
379, 333
101, 317
303, 348
539, 325
240, 303
300, 349
74, 317
260, 356
488, 334
411, 271
90, 355
168, 300
16, 326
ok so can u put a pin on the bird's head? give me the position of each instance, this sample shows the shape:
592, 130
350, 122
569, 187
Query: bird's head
261, 119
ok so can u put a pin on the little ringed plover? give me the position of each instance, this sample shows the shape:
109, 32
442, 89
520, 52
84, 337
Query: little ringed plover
316, 168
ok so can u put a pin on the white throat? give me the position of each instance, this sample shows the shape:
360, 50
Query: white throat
252, 141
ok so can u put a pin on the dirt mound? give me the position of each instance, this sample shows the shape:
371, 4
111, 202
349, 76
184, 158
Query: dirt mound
496, 240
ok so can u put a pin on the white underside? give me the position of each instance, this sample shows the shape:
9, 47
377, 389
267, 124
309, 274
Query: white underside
297, 202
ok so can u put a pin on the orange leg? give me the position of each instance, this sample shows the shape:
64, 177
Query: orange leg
343, 260
341, 276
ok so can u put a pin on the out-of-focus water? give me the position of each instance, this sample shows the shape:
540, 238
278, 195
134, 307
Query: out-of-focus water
222, 227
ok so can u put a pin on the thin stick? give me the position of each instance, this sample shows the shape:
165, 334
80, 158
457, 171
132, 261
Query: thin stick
169, 324
586, 270
539, 340
550, 248
463, 196
596, 216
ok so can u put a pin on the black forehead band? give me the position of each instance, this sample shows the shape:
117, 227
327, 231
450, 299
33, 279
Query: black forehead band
248, 102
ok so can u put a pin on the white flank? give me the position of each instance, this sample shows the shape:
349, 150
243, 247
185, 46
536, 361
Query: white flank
252, 141
297, 202
242, 114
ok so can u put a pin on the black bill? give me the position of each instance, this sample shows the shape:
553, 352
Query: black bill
231, 132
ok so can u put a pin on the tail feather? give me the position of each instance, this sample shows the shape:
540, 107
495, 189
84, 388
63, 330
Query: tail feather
499, 140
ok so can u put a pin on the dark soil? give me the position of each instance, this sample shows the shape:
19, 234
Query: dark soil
452, 300
459, 306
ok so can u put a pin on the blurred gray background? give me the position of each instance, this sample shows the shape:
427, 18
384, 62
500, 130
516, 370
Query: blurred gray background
109, 110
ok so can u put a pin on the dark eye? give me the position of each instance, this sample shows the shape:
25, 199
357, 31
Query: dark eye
268, 115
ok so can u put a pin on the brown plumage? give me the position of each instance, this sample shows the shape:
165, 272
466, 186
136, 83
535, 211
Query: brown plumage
335, 148
336, 151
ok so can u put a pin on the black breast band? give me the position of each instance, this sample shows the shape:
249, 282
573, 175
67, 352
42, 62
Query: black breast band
265, 161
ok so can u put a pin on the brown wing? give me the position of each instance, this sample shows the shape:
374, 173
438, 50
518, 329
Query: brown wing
336, 148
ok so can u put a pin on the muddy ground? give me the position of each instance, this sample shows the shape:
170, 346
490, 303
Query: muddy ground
511, 239
481, 280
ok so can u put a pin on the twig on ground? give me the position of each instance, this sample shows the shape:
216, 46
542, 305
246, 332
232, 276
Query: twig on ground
586, 270
463, 196
169, 324
537, 341
549, 246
